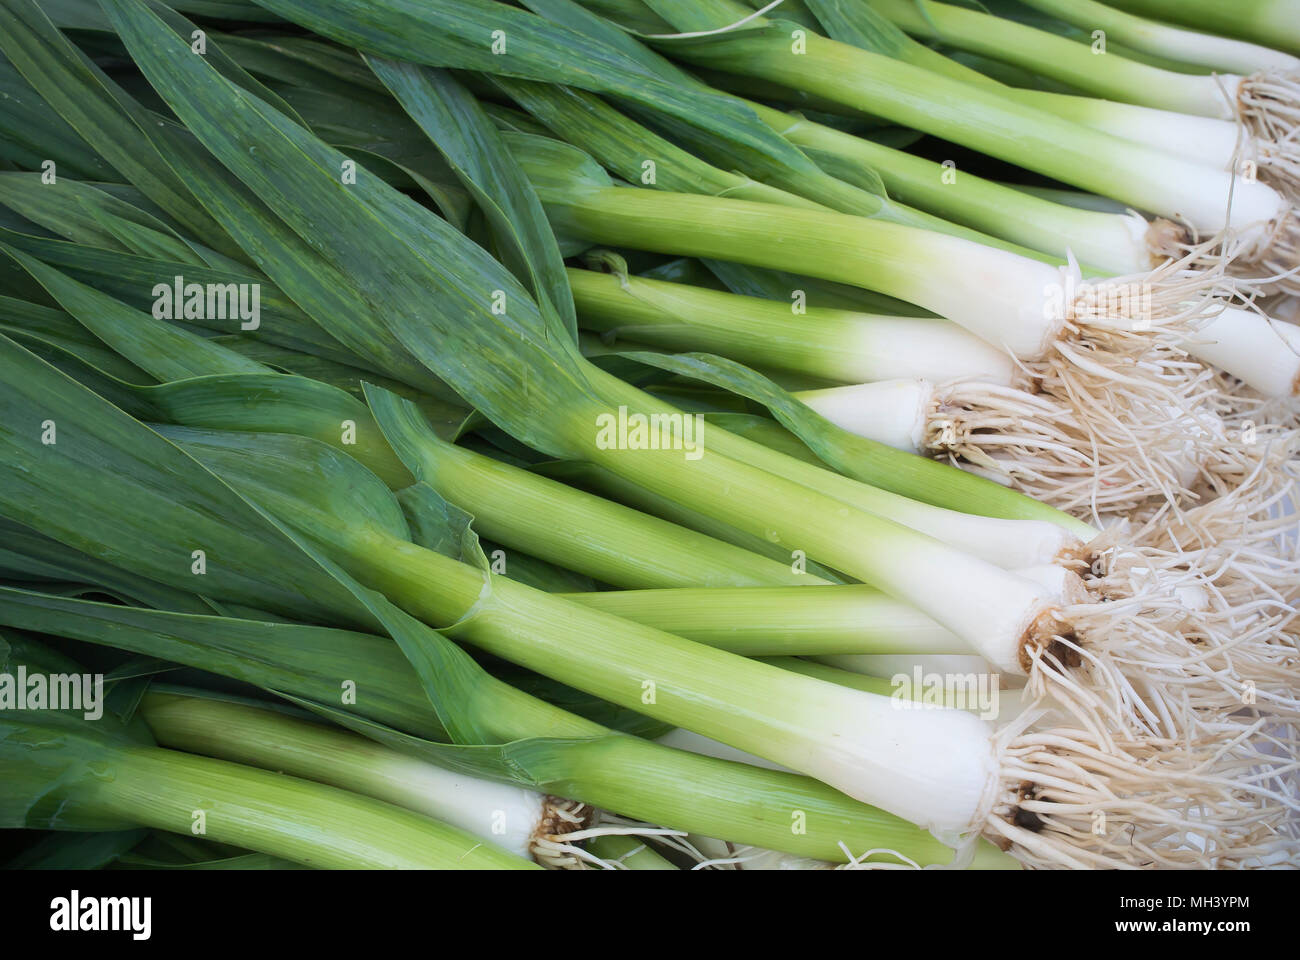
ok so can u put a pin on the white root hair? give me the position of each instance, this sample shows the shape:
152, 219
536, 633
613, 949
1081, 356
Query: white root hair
1268, 105
1140, 402
1037, 444
1268, 261
566, 824
1069, 800
1190, 615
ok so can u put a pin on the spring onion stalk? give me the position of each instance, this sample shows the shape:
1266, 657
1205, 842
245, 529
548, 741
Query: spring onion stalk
987, 121
1112, 351
638, 155
1029, 540
778, 621
834, 344
1260, 141
718, 854
596, 480
1213, 142
112, 782
1009, 543
523, 822
584, 532
771, 621
853, 740
1270, 22
1267, 101
1203, 49
1028, 441
692, 792
1121, 244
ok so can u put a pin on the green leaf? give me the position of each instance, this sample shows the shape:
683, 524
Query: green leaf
307, 63
460, 34
414, 274
84, 214
313, 662
438, 525
469, 142
77, 851
540, 763
223, 63
132, 279
100, 111
312, 486
163, 350
163, 504
854, 22
280, 404
26, 554
31, 323
31, 132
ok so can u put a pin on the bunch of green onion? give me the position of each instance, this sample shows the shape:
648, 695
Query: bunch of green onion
761, 416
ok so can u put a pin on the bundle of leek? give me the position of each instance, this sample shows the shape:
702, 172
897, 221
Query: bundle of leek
248, 489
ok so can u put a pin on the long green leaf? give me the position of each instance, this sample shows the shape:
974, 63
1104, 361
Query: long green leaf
436, 290
100, 111
165, 506
361, 672
31, 132
163, 350
469, 142
83, 214
462, 33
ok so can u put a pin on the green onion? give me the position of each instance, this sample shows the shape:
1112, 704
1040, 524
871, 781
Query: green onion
550, 635
818, 341
777, 621
1119, 243
694, 793
522, 822
1202, 49
76, 776
413, 279
1267, 100
1213, 142
1270, 22
772, 621
983, 120
1109, 76
577, 530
